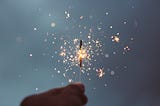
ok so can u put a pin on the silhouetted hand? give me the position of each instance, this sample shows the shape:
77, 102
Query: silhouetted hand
71, 95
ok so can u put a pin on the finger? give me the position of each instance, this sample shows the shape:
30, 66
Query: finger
55, 91
80, 85
75, 88
76, 91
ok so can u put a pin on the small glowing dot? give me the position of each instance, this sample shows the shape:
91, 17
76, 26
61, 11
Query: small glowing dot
106, 55
89, 37
70, 80
87, 74
107, 13
64, 74
81, 17
63, 54
111, 27
58, 71
99, 28
35, 29
105, 85
67, 14
74, 72
90, 30
114, 52
112, 72
53, 42
75, 41
45, 40
118, 33
127, 48
125, 22
53, 24
36, 89
97, 41
55, 52
30, 55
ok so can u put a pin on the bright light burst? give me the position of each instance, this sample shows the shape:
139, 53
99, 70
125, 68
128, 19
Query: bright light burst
95, 47
72, 54
100, 72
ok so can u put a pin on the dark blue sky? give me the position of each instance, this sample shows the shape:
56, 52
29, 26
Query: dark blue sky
29, 49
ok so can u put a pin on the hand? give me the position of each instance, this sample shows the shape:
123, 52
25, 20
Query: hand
71, 95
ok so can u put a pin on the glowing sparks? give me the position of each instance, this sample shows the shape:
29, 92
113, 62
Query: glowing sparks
63, 54
89, 37
70, 80
94, 47
126, 48
81, 17
73, 55
100, 73
75, 41
115, 39
81, 54
67, 14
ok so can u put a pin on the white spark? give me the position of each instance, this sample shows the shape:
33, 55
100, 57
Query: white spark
30, 55
106, 55
36, 89
53, 24
34, 29
112, 72
111, 27
100, 73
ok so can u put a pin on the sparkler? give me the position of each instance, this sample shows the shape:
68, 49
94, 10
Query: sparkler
80, 59
79, 55
82, 53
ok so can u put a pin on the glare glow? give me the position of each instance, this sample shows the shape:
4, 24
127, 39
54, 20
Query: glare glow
100, 73
81, 54
115, 39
